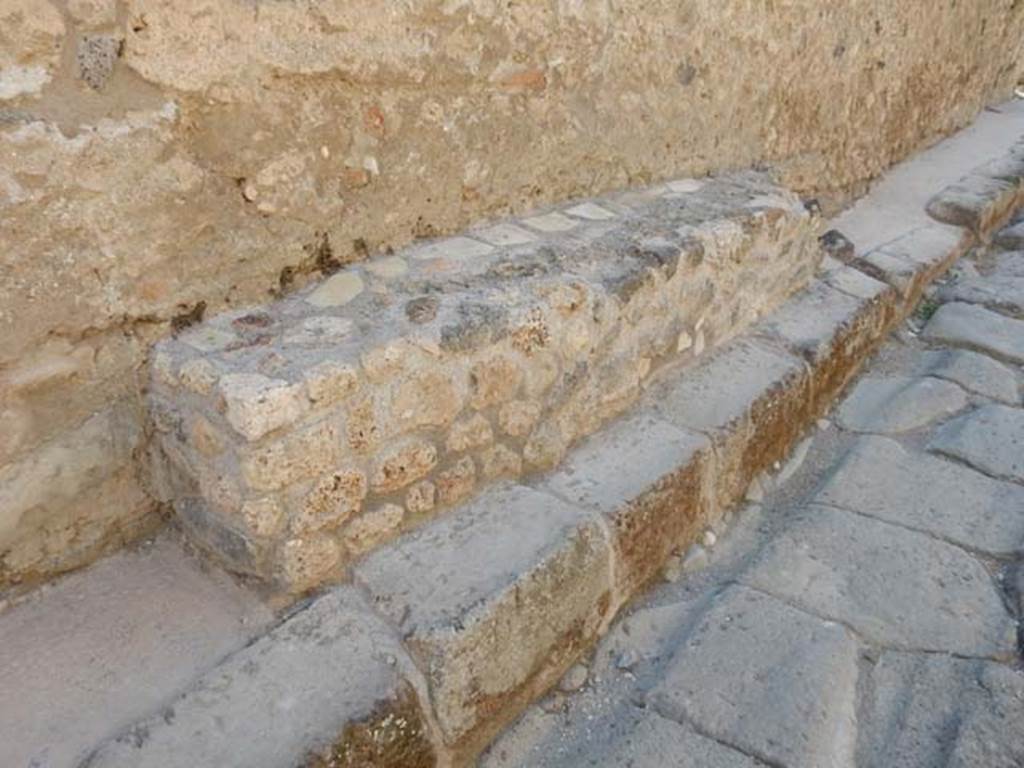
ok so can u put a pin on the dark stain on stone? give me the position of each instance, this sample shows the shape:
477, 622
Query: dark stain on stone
477, 324
837, 245
188, 317
422, 310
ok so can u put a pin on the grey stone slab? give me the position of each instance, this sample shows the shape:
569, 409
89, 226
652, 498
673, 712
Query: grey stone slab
990, 438
656, 742
881, 478
777, 683
975, 372
292, 693
1011, 237
498, 597
935, 710
648, 478
82, 658
1003, 293
974, 327
898, 404
895, 587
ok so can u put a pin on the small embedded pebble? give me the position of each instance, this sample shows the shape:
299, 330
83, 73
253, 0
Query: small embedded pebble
627, 660
574, 679
709, 538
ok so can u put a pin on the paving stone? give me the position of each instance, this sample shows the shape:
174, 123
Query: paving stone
898, 404
648, 478
777, 683
973, 371
935, 710
321, 681
657, 742
1011, 237
895, 587
494, 602
750, 399
990, 438
974, 327
881, 478
1002, 293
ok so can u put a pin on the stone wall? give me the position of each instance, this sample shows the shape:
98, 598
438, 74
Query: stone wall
159, 160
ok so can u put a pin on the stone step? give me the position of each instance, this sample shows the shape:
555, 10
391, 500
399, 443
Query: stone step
293, 438
449, 630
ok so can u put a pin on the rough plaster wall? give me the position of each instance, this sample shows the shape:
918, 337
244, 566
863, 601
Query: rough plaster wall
156, 157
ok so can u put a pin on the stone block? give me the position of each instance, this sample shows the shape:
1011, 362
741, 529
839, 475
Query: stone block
833, 331
317, 689
990, 439
977, 202
895, 587
980, 329
882, 479
494, 603
734, 680
751, 399
897, 404
650, 480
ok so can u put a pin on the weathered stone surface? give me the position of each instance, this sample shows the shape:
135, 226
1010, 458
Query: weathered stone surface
881, 478
834, 331
973, 327
650, 481
974, 372
911, 262
752, 401
735, 680
895, 587
976, 202
1002, 293
898, 404
531, 344
927, 710
144, 624
317, 685
651, 742
990, 438
495, 603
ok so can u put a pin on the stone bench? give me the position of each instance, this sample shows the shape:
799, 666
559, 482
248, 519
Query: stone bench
294, 437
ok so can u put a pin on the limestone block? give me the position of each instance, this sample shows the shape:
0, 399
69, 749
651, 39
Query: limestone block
650, 480
519, 576
316, 687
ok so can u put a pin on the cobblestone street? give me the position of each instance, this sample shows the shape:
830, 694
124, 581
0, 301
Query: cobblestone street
862, 608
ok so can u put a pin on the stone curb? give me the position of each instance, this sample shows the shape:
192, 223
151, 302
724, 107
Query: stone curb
985, 199
495, 601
